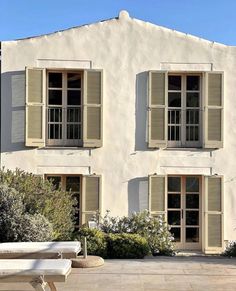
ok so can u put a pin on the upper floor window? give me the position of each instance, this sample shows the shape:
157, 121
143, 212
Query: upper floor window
184, 113
64, 107
184, 110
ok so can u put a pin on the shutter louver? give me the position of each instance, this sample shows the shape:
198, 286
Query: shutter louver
213, 214
91, 196
157, 194
35, 101
214, 110
93, 95
157, 110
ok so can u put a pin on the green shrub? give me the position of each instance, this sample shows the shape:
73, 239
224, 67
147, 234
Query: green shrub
154, 229
40, 196
96, 241
15, 224
126, 246
230, 250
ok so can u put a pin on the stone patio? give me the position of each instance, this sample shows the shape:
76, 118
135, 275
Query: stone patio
160, 273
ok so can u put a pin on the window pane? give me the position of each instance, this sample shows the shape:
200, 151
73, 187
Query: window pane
174, 184
54, 131
192, 99
175, 231
73, 115
193, 83
73, 80
55, 180
174, 83
192, 217
192, 116
173, 217
55, 115
174, 200
55, 97
192, 201
192, 184
192, 234
73, 97
55, 80
174, 99
73, 131
73, 183
192, 133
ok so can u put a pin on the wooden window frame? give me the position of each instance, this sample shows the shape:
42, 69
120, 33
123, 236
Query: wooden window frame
183, 142
63, 186
64, 142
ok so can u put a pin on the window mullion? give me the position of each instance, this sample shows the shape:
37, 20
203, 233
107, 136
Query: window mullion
64, 108
183, 111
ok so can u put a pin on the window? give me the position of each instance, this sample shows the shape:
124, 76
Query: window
184, 110
87, 191
64, 107
175, 109
69, 183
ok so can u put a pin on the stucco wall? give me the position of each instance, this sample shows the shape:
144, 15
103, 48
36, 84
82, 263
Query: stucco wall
125, 49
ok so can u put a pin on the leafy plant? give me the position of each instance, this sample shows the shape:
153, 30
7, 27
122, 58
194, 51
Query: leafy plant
15, 224
230, 250
96, 241
154, 229
126, 246
40, 196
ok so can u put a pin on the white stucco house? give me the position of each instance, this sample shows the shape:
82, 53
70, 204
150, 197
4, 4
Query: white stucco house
130, 116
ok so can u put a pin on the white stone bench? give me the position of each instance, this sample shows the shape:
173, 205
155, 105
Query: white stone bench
40, 250
38, 273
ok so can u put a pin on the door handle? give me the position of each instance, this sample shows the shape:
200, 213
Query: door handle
182, 213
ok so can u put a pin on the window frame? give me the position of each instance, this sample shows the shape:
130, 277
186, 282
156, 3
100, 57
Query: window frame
63, 186
183, 143
64, 142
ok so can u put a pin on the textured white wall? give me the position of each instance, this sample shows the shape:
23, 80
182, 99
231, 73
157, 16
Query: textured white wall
125, 49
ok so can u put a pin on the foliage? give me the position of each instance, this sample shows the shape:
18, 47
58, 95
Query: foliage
126, 246
154, 229
96, 241
15, 224
40, 196
230, 250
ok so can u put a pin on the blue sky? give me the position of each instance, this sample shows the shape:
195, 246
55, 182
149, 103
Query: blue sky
211, 19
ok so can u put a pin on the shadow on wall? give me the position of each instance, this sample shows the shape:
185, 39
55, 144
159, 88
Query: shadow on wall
137, 194
13, 111
141, 113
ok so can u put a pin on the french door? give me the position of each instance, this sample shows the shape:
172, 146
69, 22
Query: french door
184, 211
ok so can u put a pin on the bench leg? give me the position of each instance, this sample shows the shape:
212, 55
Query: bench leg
52, 286
38, 284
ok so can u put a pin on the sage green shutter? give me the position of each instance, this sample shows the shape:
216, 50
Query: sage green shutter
157, 194
214, 104
91, 196
157, 109
214, 214
92, 113
35, 107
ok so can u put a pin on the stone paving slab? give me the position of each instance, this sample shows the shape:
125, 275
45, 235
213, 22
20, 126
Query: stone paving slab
161, 273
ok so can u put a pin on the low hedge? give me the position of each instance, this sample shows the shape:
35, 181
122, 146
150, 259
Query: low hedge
96, 241
114, 246
230, 250
126, 246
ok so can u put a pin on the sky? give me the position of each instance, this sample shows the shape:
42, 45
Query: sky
214, 20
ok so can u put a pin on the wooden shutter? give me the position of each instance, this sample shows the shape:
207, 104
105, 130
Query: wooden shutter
91, 196
35, 107
214, 104
214, 214
92, 113
157, 194
157, 109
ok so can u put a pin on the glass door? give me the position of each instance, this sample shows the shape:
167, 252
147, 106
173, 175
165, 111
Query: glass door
184, 215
